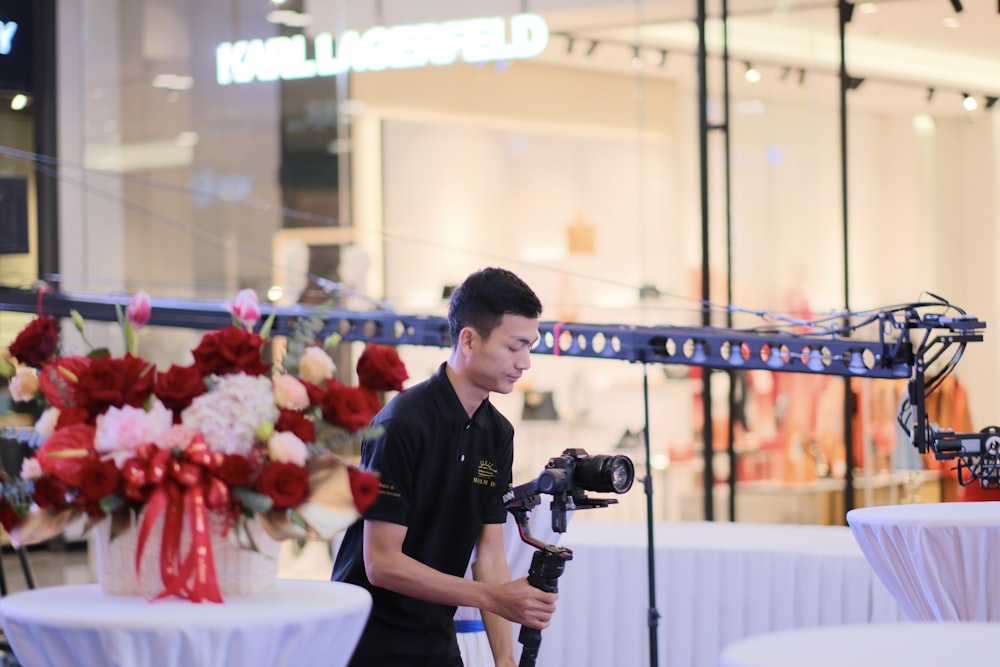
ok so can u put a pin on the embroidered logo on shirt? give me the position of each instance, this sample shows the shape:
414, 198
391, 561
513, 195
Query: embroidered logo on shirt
486, 474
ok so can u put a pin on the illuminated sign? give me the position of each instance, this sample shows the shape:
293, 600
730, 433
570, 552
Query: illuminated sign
381, 48
7, 32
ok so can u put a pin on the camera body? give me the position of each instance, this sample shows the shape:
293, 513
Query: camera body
576, 471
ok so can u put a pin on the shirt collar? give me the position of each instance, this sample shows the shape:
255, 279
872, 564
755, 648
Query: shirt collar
451, 406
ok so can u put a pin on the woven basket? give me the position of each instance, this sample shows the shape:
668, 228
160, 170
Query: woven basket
239, 571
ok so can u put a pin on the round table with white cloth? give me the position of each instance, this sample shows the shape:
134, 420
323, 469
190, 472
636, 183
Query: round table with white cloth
872, 645
293, 623
941, 561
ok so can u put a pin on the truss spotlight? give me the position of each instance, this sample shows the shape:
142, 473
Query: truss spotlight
752, 74
854, 82
991, 100
930, 94
785, 71
802, 76
969, 102
592, 47
957, 5
569, 43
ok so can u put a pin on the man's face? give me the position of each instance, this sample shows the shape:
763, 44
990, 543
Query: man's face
497, 362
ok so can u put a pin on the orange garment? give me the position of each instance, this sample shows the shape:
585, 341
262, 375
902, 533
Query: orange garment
948, 408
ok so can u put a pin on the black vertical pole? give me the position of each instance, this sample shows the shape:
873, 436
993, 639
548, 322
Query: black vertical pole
653, 614
730, 429
708, 478
844, 17
45, 120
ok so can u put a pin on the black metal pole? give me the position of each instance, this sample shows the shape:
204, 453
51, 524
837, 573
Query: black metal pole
727, 153
844, 16
653, 614
708, 478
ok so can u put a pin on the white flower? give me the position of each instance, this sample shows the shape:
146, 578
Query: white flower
290, 393
31, 468
229, 415
46, 424
315, 365
24, 385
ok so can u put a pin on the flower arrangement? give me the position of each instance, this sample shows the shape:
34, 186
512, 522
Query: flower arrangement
228, 437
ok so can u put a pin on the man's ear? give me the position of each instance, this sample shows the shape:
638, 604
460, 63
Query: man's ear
466, 337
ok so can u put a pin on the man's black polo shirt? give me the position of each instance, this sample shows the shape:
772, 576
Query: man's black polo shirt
443, 476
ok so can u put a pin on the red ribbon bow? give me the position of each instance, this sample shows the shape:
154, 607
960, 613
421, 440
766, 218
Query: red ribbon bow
184, 484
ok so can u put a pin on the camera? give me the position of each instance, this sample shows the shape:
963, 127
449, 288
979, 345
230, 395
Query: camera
575, 469
567, 478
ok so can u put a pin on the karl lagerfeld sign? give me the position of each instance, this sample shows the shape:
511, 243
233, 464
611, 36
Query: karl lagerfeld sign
381, 48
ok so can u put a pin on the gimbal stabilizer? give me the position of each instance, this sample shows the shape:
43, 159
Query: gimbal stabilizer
566, 479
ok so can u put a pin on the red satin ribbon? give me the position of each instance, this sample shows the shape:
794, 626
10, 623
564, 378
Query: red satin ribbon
184, 485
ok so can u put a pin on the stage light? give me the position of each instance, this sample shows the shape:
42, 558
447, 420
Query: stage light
592, 47
854, 82
930, 94
991, 100
957, 5
752, 74
856, 363
969, 102
784, 73
802, 76
569, 43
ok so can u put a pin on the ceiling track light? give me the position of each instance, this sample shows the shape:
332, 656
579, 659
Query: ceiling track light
752, 74
957, 6
569, 43
930, 94
969, 102
592, 47
802, 76
991, 100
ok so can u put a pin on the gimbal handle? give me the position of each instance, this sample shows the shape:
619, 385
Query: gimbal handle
547, 564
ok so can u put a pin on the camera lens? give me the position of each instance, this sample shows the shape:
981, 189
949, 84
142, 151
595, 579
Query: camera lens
604, 473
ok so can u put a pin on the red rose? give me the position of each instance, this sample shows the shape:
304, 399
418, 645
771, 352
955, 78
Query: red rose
371, 398
381, 369
235, 470
36, 342
178, 386
230, 350
9, 518
364, 488
79, 440
296, 422
58, 378
286, 484
345, 406
50, 492
116, 382
98, 480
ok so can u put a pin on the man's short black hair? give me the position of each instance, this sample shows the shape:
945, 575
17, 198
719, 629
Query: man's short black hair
485, 297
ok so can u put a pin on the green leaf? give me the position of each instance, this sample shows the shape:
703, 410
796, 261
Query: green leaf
253, 501
265, 331
111, 503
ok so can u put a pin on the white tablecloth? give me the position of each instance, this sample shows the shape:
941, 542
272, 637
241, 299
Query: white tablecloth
876, 645
715, 583
940, 560
293, 623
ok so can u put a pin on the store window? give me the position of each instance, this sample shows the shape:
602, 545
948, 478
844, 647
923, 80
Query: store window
376, 151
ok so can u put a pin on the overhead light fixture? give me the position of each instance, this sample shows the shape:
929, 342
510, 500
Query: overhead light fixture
802, 76
969, 102
950, 22
752, 74
930, 94
636, 57
991, 100
868, 8
854, 82
957, 5
592, 47
784, 73
19, 102
569, 43
173, 81
289, 17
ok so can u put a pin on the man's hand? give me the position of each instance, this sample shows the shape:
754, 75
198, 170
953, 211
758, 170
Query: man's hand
520, 602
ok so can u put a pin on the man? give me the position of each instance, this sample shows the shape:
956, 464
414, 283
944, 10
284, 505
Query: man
445, 459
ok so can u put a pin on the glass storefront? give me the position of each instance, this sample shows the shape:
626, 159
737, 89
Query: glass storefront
377, 151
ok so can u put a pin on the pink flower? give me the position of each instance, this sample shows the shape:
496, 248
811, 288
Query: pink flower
46, 424
31, 469
286, 447
246, 308
139, 310
121, 431
290, 393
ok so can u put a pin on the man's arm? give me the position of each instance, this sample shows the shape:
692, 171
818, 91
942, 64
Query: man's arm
388, 567
491, 566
